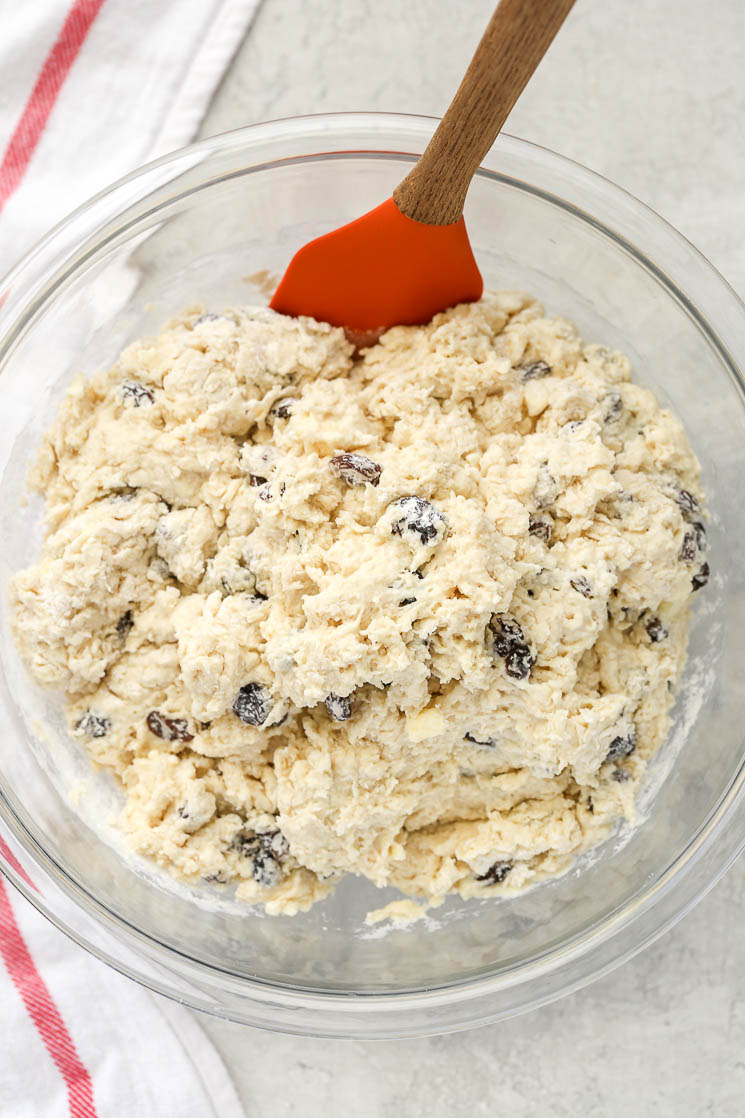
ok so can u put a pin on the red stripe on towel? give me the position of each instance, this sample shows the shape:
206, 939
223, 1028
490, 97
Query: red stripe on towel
38, 108
43, 1012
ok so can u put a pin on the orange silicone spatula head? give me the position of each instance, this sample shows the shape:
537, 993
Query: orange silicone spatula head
410, 257
380, 270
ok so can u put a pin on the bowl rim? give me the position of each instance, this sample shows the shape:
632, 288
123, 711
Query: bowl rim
454, 1006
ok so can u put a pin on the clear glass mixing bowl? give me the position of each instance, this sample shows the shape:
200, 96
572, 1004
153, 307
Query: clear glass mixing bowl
196, 226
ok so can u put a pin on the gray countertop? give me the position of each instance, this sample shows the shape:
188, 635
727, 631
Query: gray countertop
650, 93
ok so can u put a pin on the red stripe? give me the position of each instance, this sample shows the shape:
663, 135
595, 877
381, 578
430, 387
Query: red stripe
44, 1013
12, 861
41, 102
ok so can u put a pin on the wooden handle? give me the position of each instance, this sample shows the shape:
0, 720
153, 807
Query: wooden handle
516, 39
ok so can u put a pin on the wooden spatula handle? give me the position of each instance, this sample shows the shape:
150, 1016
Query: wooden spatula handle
516, 39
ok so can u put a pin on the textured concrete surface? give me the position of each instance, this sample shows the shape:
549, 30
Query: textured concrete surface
652, 95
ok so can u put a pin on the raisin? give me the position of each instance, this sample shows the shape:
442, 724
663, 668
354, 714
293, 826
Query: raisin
267, 870
495, 873
339, 706
656, 631
420, 517
540, 527
256, 480
613, 406
490, 742
686, 502
622, 746
407, 602
283, 408
169, 729
546, 488
252, 704
266, 851
535, 371
356, 469
93, 725
582, 586
136, 395
693, 541
700, 578
510, 644
124, 624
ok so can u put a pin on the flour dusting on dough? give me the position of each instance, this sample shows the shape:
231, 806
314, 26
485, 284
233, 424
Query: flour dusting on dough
417, 615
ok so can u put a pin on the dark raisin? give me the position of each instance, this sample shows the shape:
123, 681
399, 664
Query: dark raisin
339, 706
256, 480
136, 395
490, 742
124, 624
590, 805
689, 549
252, 704
546, 488
419, 575
540, 527
356, 469
535, 371
700, 578
686, 502
170, 729
693, 541
266, 852
581, 585
407, 602
495, 873
283, 408
93, 725
613, 406
656, 631
622, 746
510, 644
419, 516
245, 845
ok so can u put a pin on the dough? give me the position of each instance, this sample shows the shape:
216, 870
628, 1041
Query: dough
416, 615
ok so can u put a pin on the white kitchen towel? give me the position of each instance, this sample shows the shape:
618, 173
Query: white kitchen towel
89, 90
78, 1040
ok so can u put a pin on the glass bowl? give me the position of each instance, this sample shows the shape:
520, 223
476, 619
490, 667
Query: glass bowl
203, 225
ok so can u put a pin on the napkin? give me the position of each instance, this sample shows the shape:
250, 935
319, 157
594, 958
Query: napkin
90, 90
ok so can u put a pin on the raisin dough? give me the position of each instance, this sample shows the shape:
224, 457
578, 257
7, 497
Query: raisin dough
415, 615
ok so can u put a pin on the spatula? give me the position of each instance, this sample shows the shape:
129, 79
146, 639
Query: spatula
410, 257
